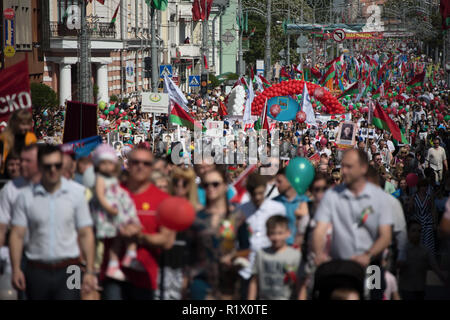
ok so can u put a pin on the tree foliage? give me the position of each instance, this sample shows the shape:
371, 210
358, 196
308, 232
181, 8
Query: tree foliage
43, 97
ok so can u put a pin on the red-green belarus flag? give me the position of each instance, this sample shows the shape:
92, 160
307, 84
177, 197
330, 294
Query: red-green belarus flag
382, 121
179, 116
417, 81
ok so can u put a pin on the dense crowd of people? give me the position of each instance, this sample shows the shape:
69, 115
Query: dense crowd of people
381, 204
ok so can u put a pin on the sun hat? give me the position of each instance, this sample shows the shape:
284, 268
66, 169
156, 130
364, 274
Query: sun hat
104, 152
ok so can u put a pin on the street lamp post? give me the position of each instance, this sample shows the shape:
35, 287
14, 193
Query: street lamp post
268, 64
241, 29
288, 54
154, 48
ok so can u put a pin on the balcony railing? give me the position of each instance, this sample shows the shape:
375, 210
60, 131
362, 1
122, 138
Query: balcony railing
96, 30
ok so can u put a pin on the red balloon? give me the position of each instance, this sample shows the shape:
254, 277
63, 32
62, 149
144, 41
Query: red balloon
300, 117
323, 141
412, 179
198, 102
176, 213
275, 110
440, 117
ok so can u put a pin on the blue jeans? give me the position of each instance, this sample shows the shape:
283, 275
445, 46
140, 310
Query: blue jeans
117, 290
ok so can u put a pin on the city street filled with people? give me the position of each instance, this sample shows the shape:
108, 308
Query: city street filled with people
345, 198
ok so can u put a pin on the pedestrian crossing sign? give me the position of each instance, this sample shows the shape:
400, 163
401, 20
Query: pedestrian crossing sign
194, 81
165, 70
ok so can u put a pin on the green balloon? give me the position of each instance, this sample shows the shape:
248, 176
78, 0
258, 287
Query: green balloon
102, 105
390, 95
126, 117
447, 117
106, 112
300, 173
407, 109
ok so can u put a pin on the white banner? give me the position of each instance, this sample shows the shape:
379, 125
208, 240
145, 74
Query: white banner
154, 102
130, 71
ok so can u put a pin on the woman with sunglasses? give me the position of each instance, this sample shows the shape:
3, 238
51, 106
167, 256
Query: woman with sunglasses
212, 243
317, 189
306, 142
336, 177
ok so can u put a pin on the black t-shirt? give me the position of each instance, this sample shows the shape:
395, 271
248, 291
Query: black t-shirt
177, 256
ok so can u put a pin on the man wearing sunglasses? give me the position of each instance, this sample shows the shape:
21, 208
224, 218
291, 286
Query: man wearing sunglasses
151, 237
57, 218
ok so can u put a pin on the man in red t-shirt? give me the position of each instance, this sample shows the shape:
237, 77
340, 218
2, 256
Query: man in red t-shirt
150, 236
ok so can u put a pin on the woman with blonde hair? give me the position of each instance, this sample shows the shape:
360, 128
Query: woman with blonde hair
173, 275
17, 134
182, 184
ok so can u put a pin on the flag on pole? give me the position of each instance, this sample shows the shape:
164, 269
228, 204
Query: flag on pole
240, 184
329, 75
262, 123
157, 4
175, 94
417, 81
444, 8
307, 106
248, 104
266, 83
353, 89
205, 61
179, 116
114, 17
382, 121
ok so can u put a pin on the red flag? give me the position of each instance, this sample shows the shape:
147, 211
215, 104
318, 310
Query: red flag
444, 8
222, 109
205, 13
264, 123
382, 121
14, 89
284, 73
240, 183
196, 14
198, 9
205, 61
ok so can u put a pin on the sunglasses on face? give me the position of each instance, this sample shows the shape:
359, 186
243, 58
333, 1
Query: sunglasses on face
319, 189
214, 184
176, 180
133, 162
49, 166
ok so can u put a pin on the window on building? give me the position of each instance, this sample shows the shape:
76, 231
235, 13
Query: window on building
63, 5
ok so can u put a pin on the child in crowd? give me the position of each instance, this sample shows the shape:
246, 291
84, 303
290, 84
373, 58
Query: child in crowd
391, 291
274, 270
111, 208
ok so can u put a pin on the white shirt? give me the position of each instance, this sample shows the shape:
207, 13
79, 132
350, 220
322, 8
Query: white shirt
8, 196
273, 193
390, 145
256, 219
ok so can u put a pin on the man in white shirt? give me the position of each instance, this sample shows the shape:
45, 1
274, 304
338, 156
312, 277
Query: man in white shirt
437, 160
29, 174
389, 143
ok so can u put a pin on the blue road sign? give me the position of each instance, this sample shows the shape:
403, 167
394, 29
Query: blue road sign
194, 81
165, 70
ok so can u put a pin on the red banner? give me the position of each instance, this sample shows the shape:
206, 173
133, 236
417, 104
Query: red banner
14, 89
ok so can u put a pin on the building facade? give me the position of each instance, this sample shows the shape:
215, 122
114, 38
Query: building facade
121, 51
24, 34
